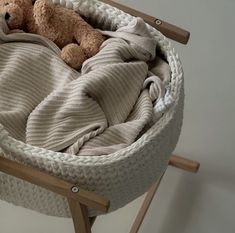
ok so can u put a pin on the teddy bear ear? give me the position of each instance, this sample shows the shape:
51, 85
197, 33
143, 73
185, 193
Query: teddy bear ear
23, 3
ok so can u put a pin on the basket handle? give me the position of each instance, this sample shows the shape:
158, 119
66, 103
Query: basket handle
169, 30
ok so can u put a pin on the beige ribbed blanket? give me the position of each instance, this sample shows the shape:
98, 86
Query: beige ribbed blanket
98, 111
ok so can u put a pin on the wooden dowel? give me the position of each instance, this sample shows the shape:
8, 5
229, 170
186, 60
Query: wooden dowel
185, 164
169, 30
54, 184
145, 206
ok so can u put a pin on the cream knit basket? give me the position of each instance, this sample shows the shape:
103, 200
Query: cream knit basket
120, 177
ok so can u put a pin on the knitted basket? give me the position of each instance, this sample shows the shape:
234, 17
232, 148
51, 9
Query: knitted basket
120, 177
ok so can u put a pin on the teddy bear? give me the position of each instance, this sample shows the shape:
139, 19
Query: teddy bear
77, 39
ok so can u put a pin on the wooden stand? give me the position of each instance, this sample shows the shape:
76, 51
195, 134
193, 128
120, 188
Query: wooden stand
79, 199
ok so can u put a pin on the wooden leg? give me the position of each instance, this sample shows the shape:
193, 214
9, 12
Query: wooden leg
175, 161
80, 217
145, 206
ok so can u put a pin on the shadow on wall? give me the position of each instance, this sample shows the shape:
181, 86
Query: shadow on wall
185, 198
191, 196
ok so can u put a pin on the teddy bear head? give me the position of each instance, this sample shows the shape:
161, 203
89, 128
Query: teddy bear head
14, 12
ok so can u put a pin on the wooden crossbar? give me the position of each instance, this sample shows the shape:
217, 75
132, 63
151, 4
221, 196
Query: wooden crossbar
54, 184
169, 30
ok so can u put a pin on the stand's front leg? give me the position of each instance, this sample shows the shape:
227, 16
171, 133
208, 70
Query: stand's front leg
80, 217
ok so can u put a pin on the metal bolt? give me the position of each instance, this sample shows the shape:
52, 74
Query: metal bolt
75, 189
158, 22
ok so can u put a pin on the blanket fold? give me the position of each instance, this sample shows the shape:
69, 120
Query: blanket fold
104, 108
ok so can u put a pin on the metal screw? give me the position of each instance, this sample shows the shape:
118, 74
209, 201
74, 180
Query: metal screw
75, 189
158, 22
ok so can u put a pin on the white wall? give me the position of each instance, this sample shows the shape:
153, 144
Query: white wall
185, 203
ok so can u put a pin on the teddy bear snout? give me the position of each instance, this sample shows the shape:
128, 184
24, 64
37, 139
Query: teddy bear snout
7, 16
13, 15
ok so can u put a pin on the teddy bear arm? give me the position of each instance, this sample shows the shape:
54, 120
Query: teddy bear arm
91, 42
73, 55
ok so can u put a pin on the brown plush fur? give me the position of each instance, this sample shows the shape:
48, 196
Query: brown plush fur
77, 39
